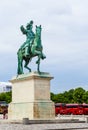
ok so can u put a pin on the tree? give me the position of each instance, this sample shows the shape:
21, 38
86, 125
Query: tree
85, 97
78, 95
70, 95
6, 97
60, 98
57, 98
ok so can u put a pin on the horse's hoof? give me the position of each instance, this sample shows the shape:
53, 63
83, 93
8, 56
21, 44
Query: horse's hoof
36, 62
43, 57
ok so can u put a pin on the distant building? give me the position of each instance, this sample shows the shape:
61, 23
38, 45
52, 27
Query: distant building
5, 87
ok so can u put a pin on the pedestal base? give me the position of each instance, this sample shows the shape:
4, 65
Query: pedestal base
31, 97
31, 110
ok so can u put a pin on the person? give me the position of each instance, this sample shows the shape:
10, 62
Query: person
5, 111
29, 38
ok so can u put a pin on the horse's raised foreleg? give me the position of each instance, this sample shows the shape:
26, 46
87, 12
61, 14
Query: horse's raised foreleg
39, 54
26, 65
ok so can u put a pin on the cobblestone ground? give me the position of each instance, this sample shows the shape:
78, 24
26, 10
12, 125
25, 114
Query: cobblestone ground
61, 126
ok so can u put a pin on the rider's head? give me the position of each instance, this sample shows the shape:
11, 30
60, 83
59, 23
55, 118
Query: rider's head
31, 22
29, 25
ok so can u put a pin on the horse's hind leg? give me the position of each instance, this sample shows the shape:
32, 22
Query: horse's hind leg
26, 65
20, 69
20, 66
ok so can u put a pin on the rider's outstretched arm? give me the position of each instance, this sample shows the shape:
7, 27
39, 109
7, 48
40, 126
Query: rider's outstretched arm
24, 31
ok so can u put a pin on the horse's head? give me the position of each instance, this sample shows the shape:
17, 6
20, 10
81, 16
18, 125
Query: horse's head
38, 30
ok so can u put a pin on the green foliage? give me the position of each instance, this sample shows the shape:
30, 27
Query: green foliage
78, 95
85, 97
6, 97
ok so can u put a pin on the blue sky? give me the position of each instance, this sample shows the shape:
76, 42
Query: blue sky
64, 38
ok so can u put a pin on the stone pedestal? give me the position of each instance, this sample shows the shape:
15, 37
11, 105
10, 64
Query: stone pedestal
31, 97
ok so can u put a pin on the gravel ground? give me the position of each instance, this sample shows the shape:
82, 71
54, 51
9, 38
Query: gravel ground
62, 126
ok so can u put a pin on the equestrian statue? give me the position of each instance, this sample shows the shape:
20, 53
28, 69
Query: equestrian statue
30, 48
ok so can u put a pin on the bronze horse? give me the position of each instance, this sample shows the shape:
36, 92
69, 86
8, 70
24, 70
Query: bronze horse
35, 50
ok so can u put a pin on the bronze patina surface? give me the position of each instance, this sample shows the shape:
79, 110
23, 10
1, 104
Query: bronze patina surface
30, 48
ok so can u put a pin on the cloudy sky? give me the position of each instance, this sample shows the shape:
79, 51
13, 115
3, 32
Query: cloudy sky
64, 38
